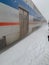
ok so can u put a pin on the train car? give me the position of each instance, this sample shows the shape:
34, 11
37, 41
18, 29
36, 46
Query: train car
16, 20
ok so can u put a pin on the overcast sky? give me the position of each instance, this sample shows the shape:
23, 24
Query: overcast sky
43, 6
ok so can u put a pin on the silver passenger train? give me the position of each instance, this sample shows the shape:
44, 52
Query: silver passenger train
17, 19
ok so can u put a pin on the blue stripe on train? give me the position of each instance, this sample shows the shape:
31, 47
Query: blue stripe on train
16, 3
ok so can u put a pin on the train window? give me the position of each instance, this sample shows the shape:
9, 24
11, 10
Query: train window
20, 11
25, 13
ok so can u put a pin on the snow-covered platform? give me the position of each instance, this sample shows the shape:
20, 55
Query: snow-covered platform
33, 50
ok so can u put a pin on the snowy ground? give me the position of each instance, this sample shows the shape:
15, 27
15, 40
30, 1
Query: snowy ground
33, 50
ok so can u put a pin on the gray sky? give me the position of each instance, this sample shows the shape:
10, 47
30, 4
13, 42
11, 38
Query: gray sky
43, 6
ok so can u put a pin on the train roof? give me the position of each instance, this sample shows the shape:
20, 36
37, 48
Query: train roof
28, 5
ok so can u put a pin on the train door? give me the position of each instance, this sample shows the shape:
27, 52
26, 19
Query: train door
21, 22
23, 16
26, 22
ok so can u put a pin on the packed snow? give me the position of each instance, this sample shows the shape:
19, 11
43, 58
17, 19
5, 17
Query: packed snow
33, 50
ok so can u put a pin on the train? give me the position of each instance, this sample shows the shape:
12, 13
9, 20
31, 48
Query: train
17, 19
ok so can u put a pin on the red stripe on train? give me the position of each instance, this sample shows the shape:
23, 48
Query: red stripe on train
9, 23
